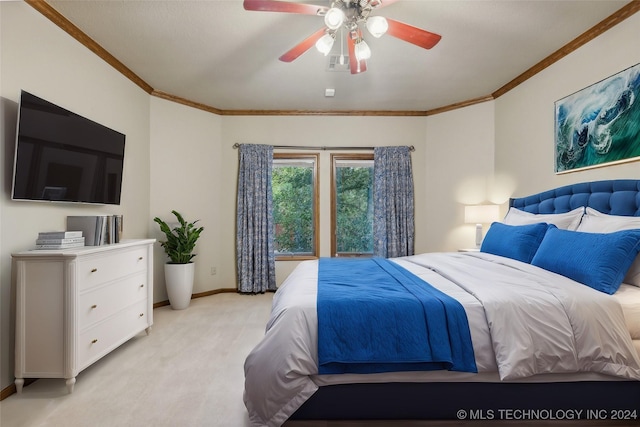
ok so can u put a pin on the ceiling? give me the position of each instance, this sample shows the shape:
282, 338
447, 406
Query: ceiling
217, 54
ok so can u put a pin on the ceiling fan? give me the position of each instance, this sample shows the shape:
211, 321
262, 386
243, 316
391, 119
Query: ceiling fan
349, 16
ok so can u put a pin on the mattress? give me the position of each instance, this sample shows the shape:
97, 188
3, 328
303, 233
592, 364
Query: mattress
628, 296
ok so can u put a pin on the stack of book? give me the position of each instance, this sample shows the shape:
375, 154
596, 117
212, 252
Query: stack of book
97, 229
59, 240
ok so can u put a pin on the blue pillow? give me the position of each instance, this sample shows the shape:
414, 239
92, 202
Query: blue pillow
598, 260
519, 242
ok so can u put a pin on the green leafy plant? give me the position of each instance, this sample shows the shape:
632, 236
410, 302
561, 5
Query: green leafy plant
181, 240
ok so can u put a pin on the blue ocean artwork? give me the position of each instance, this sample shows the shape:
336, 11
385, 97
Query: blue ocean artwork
599, 124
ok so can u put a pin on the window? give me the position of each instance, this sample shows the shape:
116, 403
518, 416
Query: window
352, 205
295, 205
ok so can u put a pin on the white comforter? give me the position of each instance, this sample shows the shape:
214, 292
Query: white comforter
524, 322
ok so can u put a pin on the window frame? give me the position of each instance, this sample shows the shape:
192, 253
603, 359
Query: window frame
316, 205
334, 191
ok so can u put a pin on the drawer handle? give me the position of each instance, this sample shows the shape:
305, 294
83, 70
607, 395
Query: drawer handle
93, 341
94, 306
93, 270
142, 285
140, 258
141, 314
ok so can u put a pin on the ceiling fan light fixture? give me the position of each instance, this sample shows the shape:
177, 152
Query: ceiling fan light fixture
325, 43
348, 16
334, 18
362, 50
377, 26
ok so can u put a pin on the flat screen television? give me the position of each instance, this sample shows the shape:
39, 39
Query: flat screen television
63, 157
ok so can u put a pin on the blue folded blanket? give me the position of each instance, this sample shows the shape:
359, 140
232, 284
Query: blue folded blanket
375, 316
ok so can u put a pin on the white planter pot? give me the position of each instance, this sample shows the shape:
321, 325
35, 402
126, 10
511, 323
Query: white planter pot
179, 281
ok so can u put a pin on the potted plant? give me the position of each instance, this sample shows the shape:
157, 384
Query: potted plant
179, 271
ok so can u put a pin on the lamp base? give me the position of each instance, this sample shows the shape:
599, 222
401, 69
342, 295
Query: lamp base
478, 235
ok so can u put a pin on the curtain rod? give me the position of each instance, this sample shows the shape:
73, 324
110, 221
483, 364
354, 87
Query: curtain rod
323, 148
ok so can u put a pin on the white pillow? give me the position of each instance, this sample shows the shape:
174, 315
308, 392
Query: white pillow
567, 221
597, 222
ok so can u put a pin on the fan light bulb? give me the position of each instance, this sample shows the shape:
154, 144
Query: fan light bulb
334, 18
377, 26
362, 50
325, 43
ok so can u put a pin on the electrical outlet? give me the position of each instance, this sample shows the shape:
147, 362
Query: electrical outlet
213, 271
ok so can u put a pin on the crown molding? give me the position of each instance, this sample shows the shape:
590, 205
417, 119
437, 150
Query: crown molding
582, 39
57, 18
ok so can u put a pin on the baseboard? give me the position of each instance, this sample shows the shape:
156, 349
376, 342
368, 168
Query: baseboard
214, 292
8, 391
199, 295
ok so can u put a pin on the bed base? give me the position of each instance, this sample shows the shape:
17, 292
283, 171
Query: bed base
602, 400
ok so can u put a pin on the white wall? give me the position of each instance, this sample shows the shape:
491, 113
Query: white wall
459, 171
187, 175
42, 59
525, 115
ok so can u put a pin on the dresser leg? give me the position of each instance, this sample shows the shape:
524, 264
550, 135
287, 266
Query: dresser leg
70, 383
19, 383
148, 330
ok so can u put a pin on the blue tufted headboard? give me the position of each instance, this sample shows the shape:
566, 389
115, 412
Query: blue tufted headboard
615, 197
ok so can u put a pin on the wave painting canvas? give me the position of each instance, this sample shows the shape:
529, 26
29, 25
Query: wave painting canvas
600, 124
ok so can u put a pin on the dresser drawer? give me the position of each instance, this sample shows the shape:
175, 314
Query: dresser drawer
102, 338
95, 270
102, 301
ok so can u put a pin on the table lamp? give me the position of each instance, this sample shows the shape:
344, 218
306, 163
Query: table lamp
480, 214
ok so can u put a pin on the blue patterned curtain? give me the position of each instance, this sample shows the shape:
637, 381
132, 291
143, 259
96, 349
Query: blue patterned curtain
393, 209
255, 234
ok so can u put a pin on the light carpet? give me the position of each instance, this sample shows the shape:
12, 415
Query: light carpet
187, 372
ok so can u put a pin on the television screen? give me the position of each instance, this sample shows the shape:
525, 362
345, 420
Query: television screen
61, 156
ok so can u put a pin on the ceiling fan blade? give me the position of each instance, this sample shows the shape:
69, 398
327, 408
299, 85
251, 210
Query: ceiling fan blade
303, 46
412, 34
283, 6
353, 62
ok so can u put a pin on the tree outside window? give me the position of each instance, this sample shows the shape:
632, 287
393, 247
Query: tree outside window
352, 205
295, 195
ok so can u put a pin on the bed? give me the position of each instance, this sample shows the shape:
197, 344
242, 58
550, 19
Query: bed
553, 332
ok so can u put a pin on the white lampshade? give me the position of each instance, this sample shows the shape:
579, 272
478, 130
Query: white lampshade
362, 50
334, 18
377, 26
481, 214
325, 43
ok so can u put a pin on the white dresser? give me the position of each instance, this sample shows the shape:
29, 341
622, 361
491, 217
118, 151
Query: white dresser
74, 306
